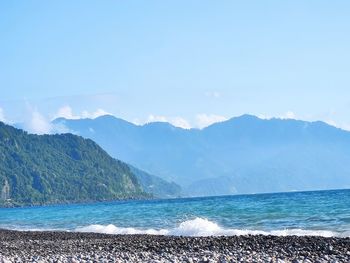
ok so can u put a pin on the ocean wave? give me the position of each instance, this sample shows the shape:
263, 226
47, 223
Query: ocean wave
204, 227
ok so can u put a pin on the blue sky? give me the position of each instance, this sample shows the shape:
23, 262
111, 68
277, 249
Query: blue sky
188, 62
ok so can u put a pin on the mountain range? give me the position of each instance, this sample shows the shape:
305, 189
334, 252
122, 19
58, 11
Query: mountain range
245, 154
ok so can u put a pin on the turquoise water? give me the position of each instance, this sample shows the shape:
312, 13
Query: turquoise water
324, 213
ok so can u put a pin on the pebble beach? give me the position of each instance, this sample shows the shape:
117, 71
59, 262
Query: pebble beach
19, 246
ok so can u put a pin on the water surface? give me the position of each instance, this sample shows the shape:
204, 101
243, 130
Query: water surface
324, 213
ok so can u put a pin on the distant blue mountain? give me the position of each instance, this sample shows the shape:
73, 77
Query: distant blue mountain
242, 155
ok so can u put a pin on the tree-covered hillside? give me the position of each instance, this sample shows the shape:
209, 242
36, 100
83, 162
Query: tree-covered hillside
156, 186
41, 169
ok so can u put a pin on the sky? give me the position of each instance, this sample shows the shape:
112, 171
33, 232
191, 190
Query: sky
187, 62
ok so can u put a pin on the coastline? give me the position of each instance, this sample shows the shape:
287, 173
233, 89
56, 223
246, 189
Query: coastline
21, 246
12, 204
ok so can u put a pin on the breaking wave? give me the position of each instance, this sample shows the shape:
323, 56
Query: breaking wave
204, 227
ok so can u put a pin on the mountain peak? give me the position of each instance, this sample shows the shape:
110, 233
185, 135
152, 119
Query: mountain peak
160, 124
245, 117
106, 117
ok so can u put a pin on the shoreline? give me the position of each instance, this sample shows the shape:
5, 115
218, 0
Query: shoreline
89, 202
52, 246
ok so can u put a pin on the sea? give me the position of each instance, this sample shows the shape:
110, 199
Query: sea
317, 213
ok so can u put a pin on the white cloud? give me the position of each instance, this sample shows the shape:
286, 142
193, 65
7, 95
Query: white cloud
290, 115
180, 122
287, 115
332, 123
2, 115
59, 128
38, 124
201, 120
325, 118
137, 121
156, 118
204, 120
264, 117
342, 125
346, 126
67, 113
176, 121
94, 115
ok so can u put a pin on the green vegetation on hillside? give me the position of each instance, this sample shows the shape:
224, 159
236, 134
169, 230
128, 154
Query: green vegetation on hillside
41, 169
156, 186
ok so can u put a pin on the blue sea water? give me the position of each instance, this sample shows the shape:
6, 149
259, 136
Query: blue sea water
322, 213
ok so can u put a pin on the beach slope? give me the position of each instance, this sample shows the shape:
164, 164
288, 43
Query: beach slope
16, 246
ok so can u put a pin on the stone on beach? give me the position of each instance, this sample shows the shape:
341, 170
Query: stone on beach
71, 247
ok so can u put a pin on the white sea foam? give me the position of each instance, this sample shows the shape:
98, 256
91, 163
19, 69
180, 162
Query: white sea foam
112, 229
204, 227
